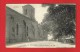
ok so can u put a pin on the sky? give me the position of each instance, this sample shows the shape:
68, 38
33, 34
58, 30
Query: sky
39, 10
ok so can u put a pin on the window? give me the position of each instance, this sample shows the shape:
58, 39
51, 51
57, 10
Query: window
17, 28
12, 29
26, 11
24, 24
12, 18
27, 30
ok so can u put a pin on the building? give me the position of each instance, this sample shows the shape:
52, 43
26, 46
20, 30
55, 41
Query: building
22, 27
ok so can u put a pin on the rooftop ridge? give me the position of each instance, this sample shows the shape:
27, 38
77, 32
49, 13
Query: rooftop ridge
18, 12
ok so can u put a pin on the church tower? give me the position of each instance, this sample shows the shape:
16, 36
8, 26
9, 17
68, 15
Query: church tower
29, 11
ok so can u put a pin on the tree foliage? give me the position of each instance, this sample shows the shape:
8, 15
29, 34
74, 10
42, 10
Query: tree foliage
60, 20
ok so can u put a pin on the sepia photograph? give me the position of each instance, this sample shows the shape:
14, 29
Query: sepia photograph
40, 25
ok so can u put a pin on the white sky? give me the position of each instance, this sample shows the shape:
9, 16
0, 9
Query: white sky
39, 10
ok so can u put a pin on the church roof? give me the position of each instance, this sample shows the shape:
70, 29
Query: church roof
7, 8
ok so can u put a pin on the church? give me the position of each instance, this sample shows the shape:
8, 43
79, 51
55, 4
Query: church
22, 27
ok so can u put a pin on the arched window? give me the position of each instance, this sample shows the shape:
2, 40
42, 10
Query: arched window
24, 25
17, 29
13, 29
33, 30
26, 11
12, 18
27, 30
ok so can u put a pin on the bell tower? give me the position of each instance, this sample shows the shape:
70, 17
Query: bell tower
29, 11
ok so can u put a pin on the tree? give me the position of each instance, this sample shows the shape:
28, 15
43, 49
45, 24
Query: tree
60, 20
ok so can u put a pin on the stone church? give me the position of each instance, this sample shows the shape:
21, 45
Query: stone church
22, 27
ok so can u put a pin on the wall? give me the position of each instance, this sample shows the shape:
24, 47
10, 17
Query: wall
20, 28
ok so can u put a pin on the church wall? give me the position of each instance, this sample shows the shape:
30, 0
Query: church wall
20, 28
